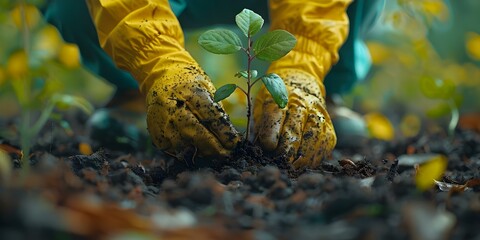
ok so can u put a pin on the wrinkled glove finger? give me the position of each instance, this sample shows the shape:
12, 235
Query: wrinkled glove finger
163, 128
312, 141
328, 142
269, 122
212, 116
291, 133
194, 133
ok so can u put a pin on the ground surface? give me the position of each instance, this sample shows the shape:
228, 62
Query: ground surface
365, 193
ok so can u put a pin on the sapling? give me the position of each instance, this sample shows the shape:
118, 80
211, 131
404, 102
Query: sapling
267, 47
32, 70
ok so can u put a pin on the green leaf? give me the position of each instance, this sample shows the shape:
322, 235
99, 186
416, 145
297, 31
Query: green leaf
65, 102
445, 108
277, 89
440, 110
437, 88
220, 41
253, 73
249, 22
243, 74
224, 92
274, 45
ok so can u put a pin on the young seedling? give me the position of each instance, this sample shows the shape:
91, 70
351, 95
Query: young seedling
33, 69
268, 47
446, 91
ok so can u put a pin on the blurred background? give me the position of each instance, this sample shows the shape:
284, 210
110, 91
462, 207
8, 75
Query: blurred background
425, 56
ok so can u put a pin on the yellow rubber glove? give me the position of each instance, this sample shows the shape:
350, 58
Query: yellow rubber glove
145, 38
302, 131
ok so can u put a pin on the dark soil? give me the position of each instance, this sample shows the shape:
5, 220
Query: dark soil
364, 193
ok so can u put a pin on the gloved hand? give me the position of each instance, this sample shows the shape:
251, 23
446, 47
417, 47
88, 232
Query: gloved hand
303, 131
144, 37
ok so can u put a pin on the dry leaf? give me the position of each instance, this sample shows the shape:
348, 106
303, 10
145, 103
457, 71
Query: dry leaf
445, 187
11, 149
85, 148
429, 171
470, 121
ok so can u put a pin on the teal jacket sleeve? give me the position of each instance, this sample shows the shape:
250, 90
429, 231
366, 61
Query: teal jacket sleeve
72, 19
355, 62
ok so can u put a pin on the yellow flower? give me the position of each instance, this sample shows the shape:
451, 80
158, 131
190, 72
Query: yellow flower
69, 55
47, 42
378, 52
436, 9
473, 45
31, 13
17, 65
379, 126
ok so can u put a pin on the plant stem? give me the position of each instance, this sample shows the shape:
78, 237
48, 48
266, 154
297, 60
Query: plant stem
25, 140
249, 88
243, 90
44, 116
454, 119
258, 79
25, 134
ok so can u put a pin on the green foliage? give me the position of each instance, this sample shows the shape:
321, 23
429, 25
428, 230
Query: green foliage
444, 90
437, 88
276, 88
224, 92
249, 22
220, 41
269, 47
66, 102
274, 45
35, 62
244, 74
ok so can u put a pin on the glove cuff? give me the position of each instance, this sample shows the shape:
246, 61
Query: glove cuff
309, 57
143, 37
320, 27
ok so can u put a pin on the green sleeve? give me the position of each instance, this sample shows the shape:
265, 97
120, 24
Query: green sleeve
202, 13
72, 19
355, 62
